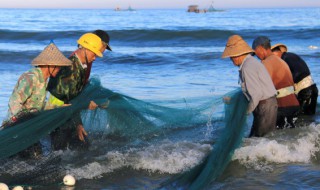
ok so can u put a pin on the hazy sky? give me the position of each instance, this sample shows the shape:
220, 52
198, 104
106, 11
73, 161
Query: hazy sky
141, 4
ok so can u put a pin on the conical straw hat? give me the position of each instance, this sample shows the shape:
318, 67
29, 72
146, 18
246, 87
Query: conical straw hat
51, 55
236, 46
282, 47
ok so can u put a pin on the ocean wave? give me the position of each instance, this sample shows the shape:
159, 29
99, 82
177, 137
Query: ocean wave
281, 34
121, 55
193, 57
156, 37
152, 46
170, 158
21, 35
120, 35
286, 146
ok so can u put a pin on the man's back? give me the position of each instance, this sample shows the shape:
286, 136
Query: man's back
282, 78
298, 66
258, 83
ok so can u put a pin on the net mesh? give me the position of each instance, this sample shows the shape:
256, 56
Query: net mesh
44, 172
129, 118
215, 163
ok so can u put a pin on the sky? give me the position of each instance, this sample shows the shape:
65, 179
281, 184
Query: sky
155, 4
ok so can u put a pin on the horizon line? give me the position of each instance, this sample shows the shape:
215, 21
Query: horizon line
107, 8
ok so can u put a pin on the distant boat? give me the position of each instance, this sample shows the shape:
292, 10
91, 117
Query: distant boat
117, 9
195, 9
212, 9
130, 9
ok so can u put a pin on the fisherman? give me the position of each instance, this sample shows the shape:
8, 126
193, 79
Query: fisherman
256, 85
305, 88
104, 36
68, 84
288, 105
29, 94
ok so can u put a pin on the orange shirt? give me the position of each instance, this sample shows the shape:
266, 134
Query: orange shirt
281, 76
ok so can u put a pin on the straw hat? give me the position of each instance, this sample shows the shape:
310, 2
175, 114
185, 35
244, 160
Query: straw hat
51, 55
236, 46
282, 47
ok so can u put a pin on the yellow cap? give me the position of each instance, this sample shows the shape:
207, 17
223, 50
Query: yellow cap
91, 42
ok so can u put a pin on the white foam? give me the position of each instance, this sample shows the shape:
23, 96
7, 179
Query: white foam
313, 47
15, 166
260, 153
171, 158
166, 157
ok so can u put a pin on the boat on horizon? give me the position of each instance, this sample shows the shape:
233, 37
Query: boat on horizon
129, 9
212, 9
195, 9
117, 9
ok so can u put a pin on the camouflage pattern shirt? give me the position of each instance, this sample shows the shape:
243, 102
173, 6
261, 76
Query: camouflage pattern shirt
29, 94
69, 82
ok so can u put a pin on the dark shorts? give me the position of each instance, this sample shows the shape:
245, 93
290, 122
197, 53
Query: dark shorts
286, 115
308, 100
265, 116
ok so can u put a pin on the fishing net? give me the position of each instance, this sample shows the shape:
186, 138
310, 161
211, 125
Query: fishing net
131, 119
122, 115
215, 163
40, 172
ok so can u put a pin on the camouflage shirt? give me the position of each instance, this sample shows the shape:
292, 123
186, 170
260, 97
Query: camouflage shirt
69, 82
29, 93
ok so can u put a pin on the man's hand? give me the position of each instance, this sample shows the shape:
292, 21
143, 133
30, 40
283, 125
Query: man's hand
81, 132
92, 105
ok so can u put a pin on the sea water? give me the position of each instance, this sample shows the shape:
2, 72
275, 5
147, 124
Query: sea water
164, 55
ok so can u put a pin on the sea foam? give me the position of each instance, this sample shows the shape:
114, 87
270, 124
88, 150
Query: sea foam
286, 146
166, 157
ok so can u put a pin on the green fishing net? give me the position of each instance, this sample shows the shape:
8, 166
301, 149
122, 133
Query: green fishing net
214, 164
117, 114
129, 118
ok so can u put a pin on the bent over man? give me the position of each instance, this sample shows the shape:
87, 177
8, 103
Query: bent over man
29, 94
256, 85
68, 84
305, 88
288, 105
